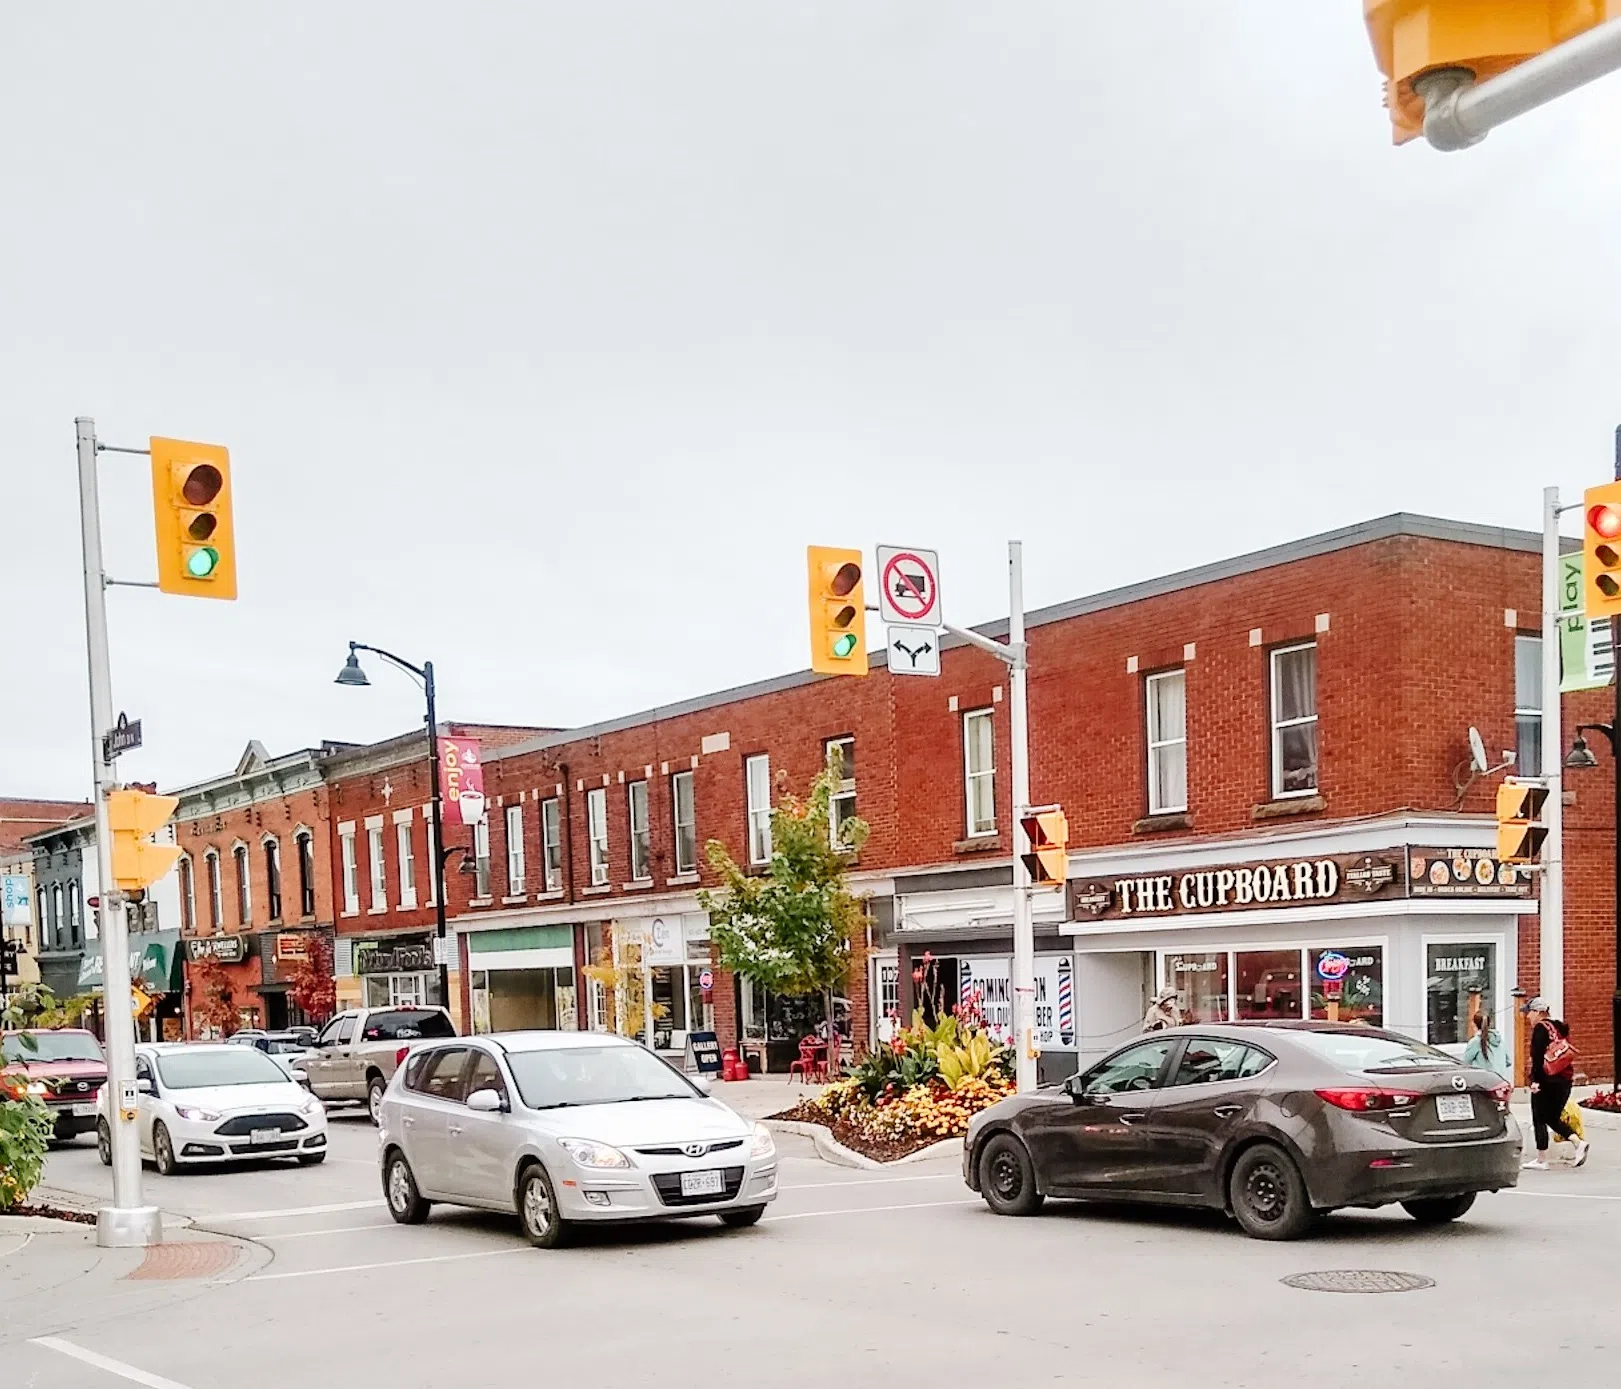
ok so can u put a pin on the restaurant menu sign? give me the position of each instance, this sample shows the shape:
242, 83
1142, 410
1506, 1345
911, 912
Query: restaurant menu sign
1463, 873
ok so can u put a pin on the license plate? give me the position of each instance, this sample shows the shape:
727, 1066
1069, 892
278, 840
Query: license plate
83, 1111
264, 1135
1450, 1107
702, 1184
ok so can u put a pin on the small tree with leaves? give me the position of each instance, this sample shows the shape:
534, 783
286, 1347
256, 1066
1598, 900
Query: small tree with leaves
790, 928
310, 982
212, 1009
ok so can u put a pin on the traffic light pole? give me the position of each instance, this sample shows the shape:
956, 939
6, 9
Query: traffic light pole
1550, 909
128, 1223
1015, 655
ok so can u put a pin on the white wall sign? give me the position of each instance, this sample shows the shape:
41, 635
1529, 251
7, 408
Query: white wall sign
992, 979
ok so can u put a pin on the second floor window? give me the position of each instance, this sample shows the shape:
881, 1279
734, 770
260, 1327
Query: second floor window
551, 844
841, 805
481, 858
64, 939
75, 925
1167, 742
1527, 706
979, 772
306, 873
405, 852
1294, 720
273, 878
188, 897
216, 894
757, 773
351, 872
514, 849
379, 869
596, 823
685, 812
641, 836
244, 898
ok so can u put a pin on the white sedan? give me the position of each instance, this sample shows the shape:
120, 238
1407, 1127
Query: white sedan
205, 1102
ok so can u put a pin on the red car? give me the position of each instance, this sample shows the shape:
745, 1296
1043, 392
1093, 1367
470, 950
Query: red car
64, 1068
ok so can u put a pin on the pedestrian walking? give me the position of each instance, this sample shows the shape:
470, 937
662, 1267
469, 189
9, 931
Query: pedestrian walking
1163, 1012
1553, 1063
1488, 1050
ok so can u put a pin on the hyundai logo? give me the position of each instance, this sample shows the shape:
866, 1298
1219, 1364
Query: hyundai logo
695, 1149
1459, 1083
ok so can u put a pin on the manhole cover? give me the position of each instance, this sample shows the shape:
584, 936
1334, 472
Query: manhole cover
1358, 1280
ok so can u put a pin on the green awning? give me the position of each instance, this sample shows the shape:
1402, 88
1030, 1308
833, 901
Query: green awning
153, 957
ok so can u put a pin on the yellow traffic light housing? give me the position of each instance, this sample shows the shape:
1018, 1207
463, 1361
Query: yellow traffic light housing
191, 499
1519, 836
838, 622
134, 817
1601, 550
1483, 37
1046, 832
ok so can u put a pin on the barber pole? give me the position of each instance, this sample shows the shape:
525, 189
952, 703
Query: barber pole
1066, 1004
965, 986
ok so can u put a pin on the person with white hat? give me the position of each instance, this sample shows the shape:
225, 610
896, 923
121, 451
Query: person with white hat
1163, 1012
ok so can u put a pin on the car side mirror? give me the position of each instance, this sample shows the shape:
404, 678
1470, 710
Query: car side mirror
144, 1086
705, 1085
486, 1102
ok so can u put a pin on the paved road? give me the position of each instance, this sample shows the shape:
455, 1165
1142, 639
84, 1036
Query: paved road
855, 1277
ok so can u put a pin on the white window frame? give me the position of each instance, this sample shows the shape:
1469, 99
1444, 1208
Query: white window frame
758, 819
242, 866
275, 885
405, 852
1305, 945
481, 859
845, 791
376, 866
1159, 747
1503, 1003
1278, 725
351, 871
688, 864
188, 894
304, 845
551, 843
515, 863
971, 776
433, 865
1527, 712
596, 822
641, 835
216, 891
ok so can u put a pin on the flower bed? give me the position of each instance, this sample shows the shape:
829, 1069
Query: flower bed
1606, 1100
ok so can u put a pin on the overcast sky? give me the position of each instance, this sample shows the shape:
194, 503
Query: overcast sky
545, 336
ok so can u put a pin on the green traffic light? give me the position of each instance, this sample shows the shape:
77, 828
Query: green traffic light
844, 644
202, 563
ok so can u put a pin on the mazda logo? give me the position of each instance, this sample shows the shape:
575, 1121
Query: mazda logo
1459, 1083
695, 1149
83, 1085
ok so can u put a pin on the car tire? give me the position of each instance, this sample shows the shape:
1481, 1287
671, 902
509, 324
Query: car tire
741, 1219
404, 1201
311, 1159
1268, 1195
543, 1227
1007, 1177
104, 1143
1438, 1210
163, 1157
374, 1098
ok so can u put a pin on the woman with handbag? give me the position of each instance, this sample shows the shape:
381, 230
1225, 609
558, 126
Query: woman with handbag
1553, 1064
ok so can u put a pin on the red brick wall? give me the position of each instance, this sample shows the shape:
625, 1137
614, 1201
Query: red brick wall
280, 816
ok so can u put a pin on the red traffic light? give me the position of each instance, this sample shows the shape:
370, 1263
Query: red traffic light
1605, 521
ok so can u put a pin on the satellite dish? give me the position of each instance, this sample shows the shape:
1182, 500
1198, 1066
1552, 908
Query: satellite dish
1477, 751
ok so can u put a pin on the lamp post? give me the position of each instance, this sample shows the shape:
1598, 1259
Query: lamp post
1581, 757
352, 674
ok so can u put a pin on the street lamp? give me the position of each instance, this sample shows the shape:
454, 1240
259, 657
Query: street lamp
352, 674
1581, 756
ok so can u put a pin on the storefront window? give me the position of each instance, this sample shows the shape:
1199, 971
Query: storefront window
1268, 984
1362, 983
1459, 980
1200, 981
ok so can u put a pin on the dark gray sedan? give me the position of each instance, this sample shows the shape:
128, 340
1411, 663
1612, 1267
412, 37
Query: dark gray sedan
1275, 1123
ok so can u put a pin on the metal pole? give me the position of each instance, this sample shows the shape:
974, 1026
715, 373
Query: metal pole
1615, 771
127, 1223
1024, 947
1551, 923
438, 839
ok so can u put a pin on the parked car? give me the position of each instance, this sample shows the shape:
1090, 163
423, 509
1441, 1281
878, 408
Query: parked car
201, 1102
1276, 1123
566, 1128
357, 1053
64, 1067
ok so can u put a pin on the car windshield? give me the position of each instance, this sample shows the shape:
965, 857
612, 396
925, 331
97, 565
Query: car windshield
568, 1076
51, 1046
1354, 1051
192, 1070
283, 1046
406, 1024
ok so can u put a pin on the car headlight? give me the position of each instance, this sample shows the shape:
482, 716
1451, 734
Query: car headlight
763, 1146
37, 1087
196, 1116
312, 1106
588, 1154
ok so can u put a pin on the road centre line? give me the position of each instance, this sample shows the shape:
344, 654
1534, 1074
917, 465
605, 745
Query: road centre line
106, 1363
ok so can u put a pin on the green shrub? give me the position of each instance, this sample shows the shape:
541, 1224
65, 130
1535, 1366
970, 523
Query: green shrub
25, 1131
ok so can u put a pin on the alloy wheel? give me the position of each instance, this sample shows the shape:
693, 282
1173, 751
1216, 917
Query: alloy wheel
537, 1206
399, 1187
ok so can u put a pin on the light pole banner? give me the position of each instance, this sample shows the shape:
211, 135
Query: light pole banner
15, 909
1586, 648
461, 775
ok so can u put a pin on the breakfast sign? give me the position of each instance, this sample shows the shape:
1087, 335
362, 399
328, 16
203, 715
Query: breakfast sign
1272, 883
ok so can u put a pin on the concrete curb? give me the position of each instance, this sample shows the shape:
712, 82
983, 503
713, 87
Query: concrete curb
829, 1149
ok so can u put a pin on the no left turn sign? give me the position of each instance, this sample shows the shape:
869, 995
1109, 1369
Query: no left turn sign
909, 585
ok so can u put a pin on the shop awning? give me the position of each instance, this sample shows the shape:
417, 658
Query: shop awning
154, 959
522, 947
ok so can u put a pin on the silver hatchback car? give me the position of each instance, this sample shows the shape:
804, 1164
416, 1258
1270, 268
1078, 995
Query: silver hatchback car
564, 1128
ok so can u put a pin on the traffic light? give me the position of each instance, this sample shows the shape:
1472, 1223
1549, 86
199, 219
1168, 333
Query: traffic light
191, 498
1413, 37
1046, 832
838, 621
1519, 836
1601, 550
134, 817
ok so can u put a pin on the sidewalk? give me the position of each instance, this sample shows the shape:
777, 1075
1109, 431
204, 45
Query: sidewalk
763, 1095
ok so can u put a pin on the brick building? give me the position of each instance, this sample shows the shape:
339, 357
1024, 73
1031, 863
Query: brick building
29, 924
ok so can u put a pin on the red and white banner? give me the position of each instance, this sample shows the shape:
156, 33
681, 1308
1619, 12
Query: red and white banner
461, 775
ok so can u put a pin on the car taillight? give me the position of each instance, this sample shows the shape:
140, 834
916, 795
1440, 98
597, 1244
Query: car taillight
1369, 1099
401, 1054
1502, 1093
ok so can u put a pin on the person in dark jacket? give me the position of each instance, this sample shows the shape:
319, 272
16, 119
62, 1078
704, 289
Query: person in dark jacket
1549, 1093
